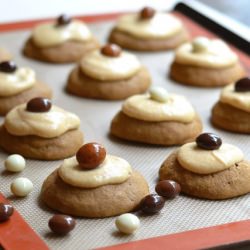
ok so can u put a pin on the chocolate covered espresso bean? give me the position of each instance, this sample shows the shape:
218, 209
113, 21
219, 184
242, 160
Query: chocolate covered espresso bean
39, 105
208, 141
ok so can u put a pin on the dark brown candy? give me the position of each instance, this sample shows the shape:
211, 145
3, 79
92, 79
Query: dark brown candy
90, 155
8, 67
147, 13
152, 203
39, 105
6, 211
63, 20
111, 50
243, 85
168, 188
61, 224
208, 141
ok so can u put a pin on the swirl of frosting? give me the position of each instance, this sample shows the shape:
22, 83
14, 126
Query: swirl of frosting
161, 25
240, 100
50, 34
142, 107
214, 54
104, 68
53, 123
16, 82
201, 161
113, 170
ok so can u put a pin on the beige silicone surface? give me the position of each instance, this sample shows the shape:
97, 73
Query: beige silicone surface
180, 214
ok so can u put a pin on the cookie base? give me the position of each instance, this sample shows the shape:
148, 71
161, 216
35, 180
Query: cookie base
229, 183
38, 90
39, 148
159, 133
128, 41
82, 85
230, 118
205, 77
70, 51
104, 201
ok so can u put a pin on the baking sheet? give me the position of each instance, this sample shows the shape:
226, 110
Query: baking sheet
180, 214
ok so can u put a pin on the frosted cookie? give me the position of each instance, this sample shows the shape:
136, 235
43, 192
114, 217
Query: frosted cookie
157, 117
108, 73
94, 184
40, 130
18, 85
148, 30
232, 111
206, 63
62, 41
4, 55
208, 169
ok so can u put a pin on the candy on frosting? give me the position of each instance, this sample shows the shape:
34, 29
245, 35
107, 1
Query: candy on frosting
201, 161
113, 170
142, 107
215, 54
159, 94
161, 25
56, 122
102, 67
16, 82
240, 100
50, 34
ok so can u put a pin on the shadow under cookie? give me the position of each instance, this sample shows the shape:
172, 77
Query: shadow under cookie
230, 118
229, 183
159, 133
104, 201
81, 85
128, 41
39, 148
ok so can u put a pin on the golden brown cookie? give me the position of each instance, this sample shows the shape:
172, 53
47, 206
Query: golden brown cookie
9, 102
230, 118
161, 133
205, 77
128, 41
104, 201
36, 147
69, 51
82, 85
225, 184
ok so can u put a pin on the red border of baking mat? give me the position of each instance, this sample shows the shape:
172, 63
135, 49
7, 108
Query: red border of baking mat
200, 238
16, 234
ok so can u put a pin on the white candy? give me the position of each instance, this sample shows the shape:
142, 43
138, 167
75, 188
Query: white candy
127, 223
21, 187
200, 44
15, 163
159, 94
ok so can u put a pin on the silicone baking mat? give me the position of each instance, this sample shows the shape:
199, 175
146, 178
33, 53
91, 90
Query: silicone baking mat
180, 214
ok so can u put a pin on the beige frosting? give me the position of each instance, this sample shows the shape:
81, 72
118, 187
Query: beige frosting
202, 161
161, 25
142, 107
212, 54
49, 34
101, 67
16, 82
49, 124
240, 100
113, 170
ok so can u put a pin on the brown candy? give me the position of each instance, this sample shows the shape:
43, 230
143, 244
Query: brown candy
91, 155
8, 67
6, 211
63, 20
243, 85
152, 204
61, 224
168, 188
111, 50
208, 141
39, 105
147, 13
